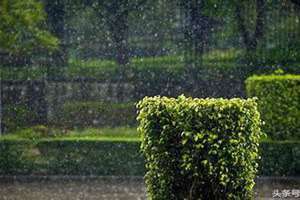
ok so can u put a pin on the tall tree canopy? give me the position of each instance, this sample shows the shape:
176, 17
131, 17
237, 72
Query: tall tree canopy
56, 11
23, 31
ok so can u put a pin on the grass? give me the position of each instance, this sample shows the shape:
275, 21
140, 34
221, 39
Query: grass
221, 59
112, 133
103, 69
86, 134
101, 134
23, 73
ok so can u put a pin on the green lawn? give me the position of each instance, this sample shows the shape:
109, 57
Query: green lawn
85, 134
103, 69
45, 133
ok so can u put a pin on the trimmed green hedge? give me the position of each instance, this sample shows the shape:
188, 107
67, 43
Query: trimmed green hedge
17, 116
119, 158
71, 157
115, 157
199, 148
280, 158
97, 114
279, 97
15, 157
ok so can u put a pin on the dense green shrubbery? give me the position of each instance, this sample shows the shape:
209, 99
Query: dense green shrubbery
199, 148
114, 156
280, 158
14, 157
23, 32
71, 156
95, 114
17, 116
88, 157
279, 97
31, 133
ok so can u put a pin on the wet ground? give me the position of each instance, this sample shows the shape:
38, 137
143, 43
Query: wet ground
111, 188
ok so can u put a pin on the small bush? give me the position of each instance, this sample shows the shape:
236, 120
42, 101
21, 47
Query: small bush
97, 114
14, 157
199, 148
279, 97
17, 116
280, 158
32, 133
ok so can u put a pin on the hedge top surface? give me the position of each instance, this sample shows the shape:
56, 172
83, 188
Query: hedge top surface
182, 98
216, 109
274, 77
218, 103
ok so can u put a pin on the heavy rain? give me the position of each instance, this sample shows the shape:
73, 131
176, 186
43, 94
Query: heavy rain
140, 99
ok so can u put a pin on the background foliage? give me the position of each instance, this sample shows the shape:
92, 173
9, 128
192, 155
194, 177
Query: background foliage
23, 31
279, 97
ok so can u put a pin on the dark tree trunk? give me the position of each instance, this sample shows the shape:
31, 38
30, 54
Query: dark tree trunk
260, 20
297, 5
251, 40
198, 22
296, 2
1, 109
119, 32
196, 33
241, 26
55, 10
115, 13
197, 28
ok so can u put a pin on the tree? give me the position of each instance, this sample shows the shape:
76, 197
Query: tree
22, 31
251, 40
56, 11
297, 5
197, 27
115, 14
296, 2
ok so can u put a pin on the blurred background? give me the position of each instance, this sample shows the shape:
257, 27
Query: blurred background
72, 72
85, 63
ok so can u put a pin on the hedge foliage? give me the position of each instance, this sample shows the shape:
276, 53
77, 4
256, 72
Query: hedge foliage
97, 114
17, 116
15, 157
279, 97
280, 158
199, 148
70, 157
115, 157
87, 157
